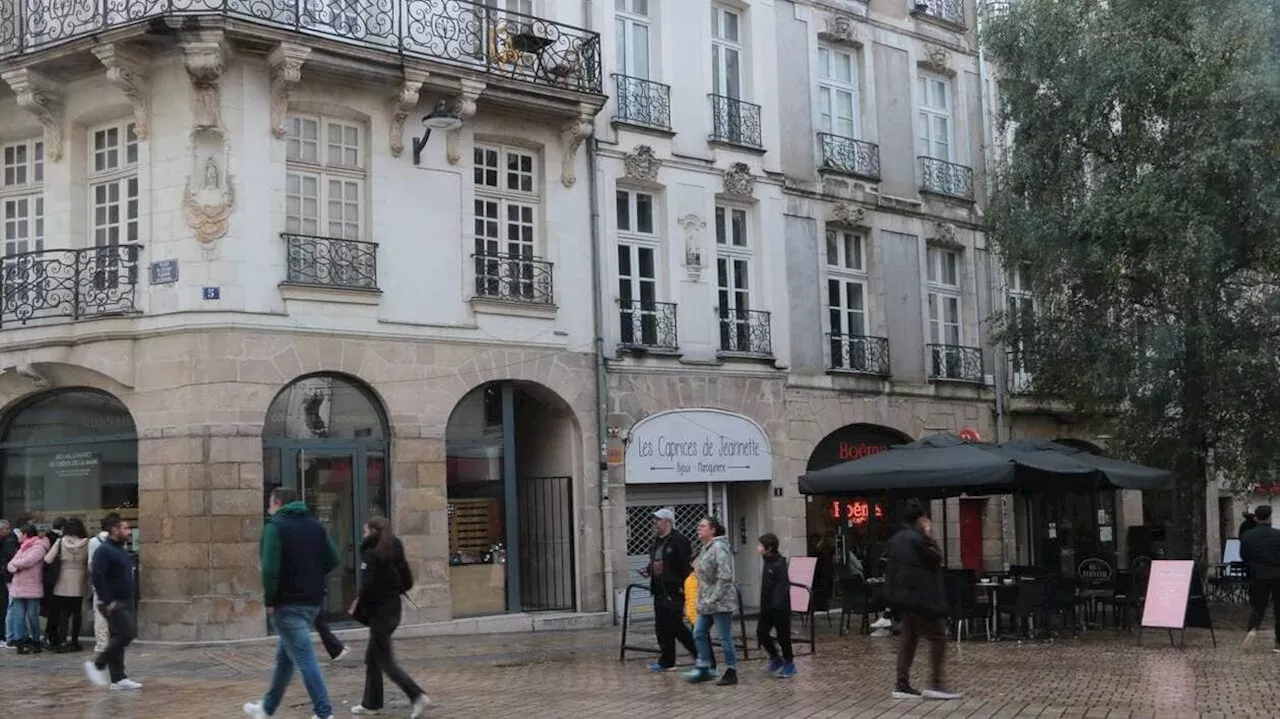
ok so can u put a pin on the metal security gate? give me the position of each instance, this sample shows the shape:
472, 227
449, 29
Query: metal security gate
546, 530
690, 502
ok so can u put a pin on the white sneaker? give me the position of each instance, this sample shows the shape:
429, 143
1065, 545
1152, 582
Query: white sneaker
254, 710
359, 709
420, 706
881, 633
313, 716
125, 685
941, 695
341, 655
881, 623
97, 676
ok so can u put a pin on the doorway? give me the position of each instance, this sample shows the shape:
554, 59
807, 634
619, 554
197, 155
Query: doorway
971, 511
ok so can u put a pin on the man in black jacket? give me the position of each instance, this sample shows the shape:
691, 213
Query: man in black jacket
917, 596
112, 573
669, 557
1260, 549
775, 608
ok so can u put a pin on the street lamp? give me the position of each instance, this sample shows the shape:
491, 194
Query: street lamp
442, 117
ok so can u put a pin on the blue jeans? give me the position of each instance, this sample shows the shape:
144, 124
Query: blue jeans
23, 620
12, 625
702, 639
293, 648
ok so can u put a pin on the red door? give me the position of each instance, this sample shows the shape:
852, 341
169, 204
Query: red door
971, 511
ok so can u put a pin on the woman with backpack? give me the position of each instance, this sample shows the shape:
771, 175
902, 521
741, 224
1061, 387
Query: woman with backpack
384, 576
70, 555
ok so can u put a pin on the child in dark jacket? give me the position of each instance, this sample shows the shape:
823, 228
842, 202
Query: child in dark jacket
775, 608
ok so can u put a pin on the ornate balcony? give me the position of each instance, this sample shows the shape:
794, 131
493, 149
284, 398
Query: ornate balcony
643, 102
745, 332
648, 325
856, 353
68, 284
514, 278
946, 178
956, 363
849, 156
331, 262
467, 34
1018, 374
735, 122
951, 11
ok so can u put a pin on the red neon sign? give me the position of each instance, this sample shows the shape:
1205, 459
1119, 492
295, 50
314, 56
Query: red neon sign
858, 451
856, 512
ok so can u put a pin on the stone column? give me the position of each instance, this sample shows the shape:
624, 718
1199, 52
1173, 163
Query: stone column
420, 501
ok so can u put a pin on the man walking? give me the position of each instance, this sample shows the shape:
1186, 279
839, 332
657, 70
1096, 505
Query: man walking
917, 597
100, 631
1260, 549
669, 557
296, 556
112, 572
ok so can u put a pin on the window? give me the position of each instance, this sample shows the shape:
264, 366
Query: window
641, 320
935, 117
631, 24
733, 279
847, 302
113, 184
726, 52
944, 297
837, 92
324, 188
506, 225
1021, 312
21, 197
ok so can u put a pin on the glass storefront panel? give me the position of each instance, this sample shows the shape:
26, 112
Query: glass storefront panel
477, 509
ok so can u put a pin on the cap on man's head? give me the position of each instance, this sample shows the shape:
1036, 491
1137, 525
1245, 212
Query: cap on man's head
666, 513
1263, 513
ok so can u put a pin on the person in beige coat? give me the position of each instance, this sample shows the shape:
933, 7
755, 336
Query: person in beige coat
66, 611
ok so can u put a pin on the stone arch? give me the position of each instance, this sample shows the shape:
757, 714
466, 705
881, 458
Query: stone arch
861, 438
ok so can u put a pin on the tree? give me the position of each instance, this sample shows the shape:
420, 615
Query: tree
1139, 190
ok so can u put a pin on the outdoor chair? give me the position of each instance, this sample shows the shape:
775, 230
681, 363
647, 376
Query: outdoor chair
1029, 601
964, 606
1065, 602
1124, 601
855, 598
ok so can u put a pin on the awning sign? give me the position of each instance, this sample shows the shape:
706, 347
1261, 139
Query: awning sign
697, 445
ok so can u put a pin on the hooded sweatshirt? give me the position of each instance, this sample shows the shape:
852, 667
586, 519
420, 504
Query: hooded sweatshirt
296, 556
73, 573
717, 593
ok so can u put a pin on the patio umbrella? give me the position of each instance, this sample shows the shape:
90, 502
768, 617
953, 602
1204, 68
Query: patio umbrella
1053, 458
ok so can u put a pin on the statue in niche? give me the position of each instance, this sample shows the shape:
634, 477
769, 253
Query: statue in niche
211, 174
209, 197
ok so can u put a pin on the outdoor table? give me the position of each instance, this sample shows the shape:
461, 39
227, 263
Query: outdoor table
992, 589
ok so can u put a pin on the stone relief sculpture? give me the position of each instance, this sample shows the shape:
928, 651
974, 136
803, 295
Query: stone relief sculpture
575, 132
842, 29
938, 58
402, 103
641, 164
208, 199
41, 97
465, 106
848, 214
286, 62
693, 229
738, 181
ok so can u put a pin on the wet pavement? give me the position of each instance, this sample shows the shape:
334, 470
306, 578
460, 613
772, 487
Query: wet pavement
577, 674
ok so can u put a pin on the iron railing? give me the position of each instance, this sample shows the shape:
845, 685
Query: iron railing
735, 121
745, 332
643, 102
1018, 374
546, 533
857, 353
72, 284
495, 41
850, 156
957, 363
951, 11
514, 278
648, 325
946, 178
331, 262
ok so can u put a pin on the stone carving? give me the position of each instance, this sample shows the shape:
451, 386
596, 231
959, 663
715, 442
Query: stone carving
842, 29
944, 234
571, 138
208, 198
938, 58
402, 103
738, 181
465, 106
849, 214
206, 58
127, 72
286, 62
693, 226
41, 97
208, 207
641, 164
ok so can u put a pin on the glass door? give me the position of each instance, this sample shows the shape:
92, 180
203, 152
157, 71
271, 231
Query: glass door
330, 483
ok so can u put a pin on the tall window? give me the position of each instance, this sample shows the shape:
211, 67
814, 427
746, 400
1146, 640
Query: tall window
733, 277
837, 92
847, 299
21, 196
113, 184
944, 297
726, 51
935, 116
631, 24
506, 225
324, 187
638, 247
1021, 313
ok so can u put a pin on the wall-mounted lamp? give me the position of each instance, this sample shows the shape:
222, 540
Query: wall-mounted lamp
442, 117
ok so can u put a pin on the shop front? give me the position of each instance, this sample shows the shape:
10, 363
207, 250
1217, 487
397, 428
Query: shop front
1075, 533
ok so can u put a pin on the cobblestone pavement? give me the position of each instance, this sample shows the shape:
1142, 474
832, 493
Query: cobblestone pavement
577, 674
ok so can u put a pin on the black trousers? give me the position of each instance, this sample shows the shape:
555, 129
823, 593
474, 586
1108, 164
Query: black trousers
1262, 593
332, 644
123, 629
379, 660
4, 610
669, 627
781, 623
65, 618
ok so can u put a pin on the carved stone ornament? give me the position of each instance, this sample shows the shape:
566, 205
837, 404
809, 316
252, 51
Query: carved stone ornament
465, 106
286, 62
127, 72
944, 235
849, 214
402, 103
641, 164
206, 59
209, 197
738, 181
572, 136
842, 29
693, 226
41, 97
937, 58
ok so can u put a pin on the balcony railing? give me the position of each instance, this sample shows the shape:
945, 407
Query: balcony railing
946, 178
951, 11
956, 363
850, 156
734, 121
331, 262
643, 102
464, 33
1018, 377
856, 353
648, 325
514, 278
71, 284
745, 332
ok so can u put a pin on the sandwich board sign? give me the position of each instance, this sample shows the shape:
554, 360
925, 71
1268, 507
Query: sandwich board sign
1175, 600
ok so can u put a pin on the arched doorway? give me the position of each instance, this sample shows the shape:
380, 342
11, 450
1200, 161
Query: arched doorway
513, 448
326, 436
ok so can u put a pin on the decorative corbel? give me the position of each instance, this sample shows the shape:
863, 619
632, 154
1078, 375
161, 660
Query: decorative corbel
286, 62
465, 106
571, 138
206, 59
402, 103
944, 235
127, 72
41, 97
841, 29
937, 58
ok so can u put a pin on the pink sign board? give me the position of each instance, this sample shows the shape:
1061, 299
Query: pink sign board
800, 571
1167, 592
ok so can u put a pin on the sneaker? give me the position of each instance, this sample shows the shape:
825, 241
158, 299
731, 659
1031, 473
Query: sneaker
75, 647
906, 692
881, 633
420, 706
698, 674
341, 655
882, 623
728, 679
787, 671
660, 667
98, 677
313, 716
359, 709
255, 711
774, 665
941, 694
125, 685
1250, 637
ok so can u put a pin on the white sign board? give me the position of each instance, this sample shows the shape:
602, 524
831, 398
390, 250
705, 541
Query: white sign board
1231, 552
697, 445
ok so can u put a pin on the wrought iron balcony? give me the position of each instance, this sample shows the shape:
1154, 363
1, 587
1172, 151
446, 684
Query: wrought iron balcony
745, 332
735, 121
331, 262
856, 353
643, 102
850, 156
514, 278
946, 178
468, 34
1018, 374
648, 325
951, 11
70, 284
956, 363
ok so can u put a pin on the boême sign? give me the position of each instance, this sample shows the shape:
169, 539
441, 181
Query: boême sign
697, 445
